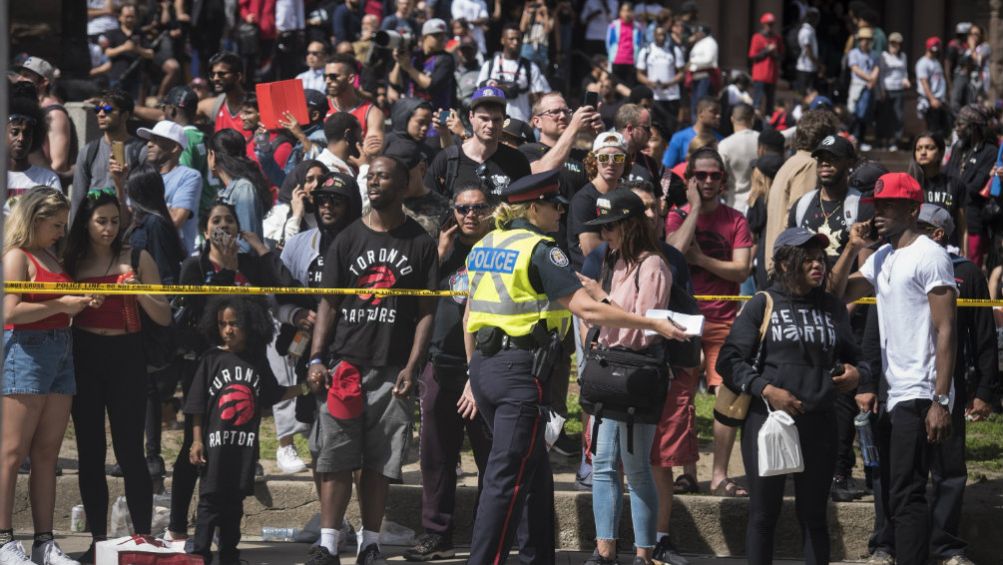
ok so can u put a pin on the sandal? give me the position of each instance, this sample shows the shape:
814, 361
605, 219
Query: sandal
730, 488
685, 484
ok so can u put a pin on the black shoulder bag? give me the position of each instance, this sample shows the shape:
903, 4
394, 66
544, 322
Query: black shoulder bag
159, 342
622, 384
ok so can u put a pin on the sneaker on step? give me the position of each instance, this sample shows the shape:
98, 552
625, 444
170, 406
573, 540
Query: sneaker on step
959, 559
319, 555
844, 489
567, 446
429, 548
666, 554
880, 557
597, 559
288, 460
259, 473
370, 555
583, 478
48, 553
12, 553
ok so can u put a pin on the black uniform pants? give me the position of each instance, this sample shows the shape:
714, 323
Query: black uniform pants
948, 477
223, 511
518, 493
111, 375
817, 435
845, 410
441, 440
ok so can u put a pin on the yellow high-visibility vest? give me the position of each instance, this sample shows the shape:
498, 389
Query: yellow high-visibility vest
501, 294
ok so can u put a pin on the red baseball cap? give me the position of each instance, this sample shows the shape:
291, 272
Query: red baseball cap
344, 398
898, 186
767, 18
932, 42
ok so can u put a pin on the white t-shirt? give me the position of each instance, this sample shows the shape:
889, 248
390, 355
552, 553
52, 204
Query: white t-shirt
659, 65
738, 150
894, 70
807, 41
932, 71
101, 24
19, 182
472, 10
902, 279
528, 78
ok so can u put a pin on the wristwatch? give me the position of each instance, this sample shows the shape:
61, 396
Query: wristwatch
942, 399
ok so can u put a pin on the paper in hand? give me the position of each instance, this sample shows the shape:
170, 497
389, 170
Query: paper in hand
692, 324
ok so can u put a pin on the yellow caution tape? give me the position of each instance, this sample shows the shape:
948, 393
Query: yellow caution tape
19, 287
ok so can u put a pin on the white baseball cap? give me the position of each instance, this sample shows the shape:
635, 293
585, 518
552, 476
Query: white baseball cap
165, 129
433, 26
609, 139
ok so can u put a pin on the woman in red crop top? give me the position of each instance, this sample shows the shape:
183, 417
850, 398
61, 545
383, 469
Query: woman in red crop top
38, 366
109, 361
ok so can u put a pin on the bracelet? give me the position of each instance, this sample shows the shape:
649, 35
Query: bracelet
316, 361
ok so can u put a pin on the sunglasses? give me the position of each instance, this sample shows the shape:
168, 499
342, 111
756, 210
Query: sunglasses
477, 209
96, 193
704, 175
329, 200
214, 74
617, 158
107, 109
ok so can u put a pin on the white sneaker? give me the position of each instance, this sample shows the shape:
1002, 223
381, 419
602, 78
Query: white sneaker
12, 553
49, 554
893, 148
865, 147
178, 544
289, 461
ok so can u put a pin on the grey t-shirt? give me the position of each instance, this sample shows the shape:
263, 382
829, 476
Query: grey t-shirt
932, 71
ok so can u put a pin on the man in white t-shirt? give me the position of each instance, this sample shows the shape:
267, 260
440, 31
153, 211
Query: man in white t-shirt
519, 77
917, 299
23, 136
931, 104
808, 65
739, 150
657, 68
475, 12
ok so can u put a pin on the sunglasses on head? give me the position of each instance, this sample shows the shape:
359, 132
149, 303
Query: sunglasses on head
477, 209
107, 109
617, 158
704, 175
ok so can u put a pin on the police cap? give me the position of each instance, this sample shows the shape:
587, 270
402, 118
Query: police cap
541, 186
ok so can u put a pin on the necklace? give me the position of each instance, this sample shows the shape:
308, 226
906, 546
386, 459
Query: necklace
821, 207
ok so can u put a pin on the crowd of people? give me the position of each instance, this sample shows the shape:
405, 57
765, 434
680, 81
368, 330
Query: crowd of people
450, 146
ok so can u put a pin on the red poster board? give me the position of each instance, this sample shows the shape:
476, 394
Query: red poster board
274, 98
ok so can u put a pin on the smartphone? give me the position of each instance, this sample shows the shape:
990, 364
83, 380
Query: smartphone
872, 231
591, 99
118, 152
443, 116
447, 220
218, 234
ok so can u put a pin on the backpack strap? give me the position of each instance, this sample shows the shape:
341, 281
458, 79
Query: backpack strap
452, 167
851, 205
596, 420
802, 206
89, 157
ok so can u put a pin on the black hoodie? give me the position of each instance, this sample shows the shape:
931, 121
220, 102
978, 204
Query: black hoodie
805, 338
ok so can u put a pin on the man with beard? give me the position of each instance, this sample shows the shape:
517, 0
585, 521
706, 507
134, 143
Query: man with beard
96, 166
60, 143
516, 75
25, 132
634, 124
339, 74
379, 342
481, 158
343, 134
182, 185
833, 207
716, 241
226, 73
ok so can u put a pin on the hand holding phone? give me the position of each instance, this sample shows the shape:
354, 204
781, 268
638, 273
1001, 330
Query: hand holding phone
118, 152
591, 99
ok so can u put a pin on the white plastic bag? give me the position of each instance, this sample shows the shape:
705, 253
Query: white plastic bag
555, 424
121, 522
779, 445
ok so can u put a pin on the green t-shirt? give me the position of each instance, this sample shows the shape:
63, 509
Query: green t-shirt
195, 156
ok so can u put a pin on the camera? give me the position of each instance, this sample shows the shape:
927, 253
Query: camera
394, 40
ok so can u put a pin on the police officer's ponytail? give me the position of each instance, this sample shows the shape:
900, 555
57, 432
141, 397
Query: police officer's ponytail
505, 213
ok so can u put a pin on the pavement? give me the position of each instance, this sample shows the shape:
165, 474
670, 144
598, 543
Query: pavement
284, 553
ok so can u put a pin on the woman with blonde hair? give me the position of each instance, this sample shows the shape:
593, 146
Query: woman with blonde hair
38, 379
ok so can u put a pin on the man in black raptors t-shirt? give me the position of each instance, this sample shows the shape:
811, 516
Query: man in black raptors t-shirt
375, 353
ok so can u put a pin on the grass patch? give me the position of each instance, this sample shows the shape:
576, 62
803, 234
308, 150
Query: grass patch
984, 445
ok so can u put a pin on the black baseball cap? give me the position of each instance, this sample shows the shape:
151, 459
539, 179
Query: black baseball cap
835, 145
797, 237
773, 139
617, 205
406, 151
316, 100
181, 97
865, 175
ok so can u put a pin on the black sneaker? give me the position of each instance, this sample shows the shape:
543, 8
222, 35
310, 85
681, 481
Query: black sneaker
370, 555
597, 559
116, 471
319, 555
583, 478
844, 489
155, 464
259, 473
666, 554
567, 446
87, 558
429, 548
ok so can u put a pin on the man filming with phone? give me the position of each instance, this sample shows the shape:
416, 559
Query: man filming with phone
428, 74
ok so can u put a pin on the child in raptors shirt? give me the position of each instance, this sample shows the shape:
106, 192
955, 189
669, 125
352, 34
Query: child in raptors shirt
233, 381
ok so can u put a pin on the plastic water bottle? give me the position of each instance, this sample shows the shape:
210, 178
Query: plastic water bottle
865, 437
279, 534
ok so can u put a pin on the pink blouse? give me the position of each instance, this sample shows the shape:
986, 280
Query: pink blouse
651, 291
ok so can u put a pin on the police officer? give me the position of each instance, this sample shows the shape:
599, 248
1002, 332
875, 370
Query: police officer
522, 296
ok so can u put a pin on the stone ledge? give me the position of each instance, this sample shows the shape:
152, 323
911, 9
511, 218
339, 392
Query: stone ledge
703, 525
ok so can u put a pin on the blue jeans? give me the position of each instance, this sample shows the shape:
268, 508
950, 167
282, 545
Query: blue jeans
38, 362
607, 498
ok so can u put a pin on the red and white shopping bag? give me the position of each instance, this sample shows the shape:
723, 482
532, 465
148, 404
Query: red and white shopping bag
141, 550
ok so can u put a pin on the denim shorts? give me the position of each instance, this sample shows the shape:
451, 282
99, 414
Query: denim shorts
38, 362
